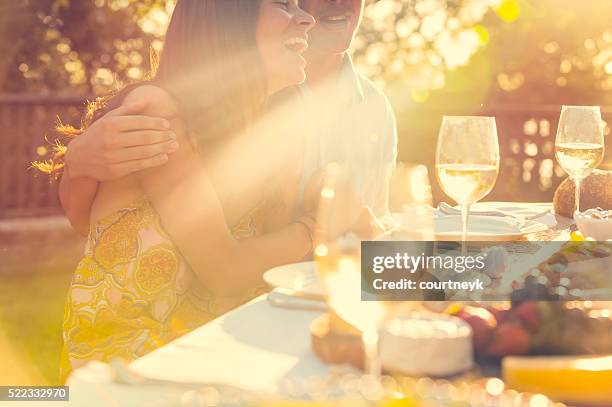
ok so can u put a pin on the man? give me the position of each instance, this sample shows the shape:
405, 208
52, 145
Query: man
354, 124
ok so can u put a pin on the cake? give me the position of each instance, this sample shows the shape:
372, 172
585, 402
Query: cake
431, 345
417, 344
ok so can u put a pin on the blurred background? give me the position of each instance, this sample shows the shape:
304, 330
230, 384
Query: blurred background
517, 60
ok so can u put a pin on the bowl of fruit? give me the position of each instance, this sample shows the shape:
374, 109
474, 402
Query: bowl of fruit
595, 223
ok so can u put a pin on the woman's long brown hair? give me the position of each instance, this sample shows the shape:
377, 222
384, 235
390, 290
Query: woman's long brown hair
209, 64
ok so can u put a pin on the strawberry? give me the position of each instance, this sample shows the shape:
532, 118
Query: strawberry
501, 315
529, 314
510, 338
483, 324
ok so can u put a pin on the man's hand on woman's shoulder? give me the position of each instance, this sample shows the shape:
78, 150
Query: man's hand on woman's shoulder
130, 138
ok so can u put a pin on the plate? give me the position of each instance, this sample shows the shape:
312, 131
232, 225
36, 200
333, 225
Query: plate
480, 227
298, 277
485, 228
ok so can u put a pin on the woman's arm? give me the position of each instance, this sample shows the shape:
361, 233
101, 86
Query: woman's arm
76, 196
182, 193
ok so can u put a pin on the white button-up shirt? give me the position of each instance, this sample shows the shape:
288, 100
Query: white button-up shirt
354, 126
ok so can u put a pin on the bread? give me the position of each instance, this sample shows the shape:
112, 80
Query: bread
335, 341
595, 191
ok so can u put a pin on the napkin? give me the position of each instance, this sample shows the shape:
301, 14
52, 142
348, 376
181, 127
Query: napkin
483, 225
519, 210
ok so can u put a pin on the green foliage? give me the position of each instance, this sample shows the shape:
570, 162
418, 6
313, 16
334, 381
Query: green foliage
422, 51
83, 46
472, 52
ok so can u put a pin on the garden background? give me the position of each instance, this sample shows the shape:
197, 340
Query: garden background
518, 60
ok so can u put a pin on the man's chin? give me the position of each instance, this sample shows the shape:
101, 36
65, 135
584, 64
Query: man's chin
324, 48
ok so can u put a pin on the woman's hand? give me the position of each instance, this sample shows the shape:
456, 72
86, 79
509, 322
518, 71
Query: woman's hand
348, 212
367, 224
312, 193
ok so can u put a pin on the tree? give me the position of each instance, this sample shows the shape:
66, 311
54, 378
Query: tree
496, 51
15, 21
81, 46
436, 51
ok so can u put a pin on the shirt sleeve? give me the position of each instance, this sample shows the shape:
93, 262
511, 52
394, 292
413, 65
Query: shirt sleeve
388, 159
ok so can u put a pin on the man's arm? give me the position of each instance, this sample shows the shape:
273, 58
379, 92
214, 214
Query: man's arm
118, 144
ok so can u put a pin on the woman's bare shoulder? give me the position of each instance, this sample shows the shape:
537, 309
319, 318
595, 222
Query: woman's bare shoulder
159, 101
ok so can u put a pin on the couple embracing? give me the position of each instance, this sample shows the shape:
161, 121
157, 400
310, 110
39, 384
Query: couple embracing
192, 184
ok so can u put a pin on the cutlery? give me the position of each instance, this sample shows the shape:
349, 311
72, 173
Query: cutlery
285, 298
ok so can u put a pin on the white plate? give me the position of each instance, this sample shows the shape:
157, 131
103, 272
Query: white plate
485, 228
299, 277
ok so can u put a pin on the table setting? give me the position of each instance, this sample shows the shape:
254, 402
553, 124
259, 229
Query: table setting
313, 341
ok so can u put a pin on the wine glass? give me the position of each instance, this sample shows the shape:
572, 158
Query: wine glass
410, 203
337, 254
579, 146
467, 161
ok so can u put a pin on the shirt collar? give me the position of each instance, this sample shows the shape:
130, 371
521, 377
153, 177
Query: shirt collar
349, 82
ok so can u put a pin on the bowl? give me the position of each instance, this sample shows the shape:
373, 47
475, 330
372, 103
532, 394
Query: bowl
598, 228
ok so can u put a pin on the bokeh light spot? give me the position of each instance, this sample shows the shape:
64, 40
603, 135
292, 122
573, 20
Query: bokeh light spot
482, 33
321, 250
41, 151
495, 386
509, 11
539, 400
419, 95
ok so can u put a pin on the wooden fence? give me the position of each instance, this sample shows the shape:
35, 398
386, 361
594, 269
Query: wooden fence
25, 121
529, 171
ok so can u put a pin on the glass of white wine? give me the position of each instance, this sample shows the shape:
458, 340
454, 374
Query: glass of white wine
337, 254
467, 161
410, 203
579, 146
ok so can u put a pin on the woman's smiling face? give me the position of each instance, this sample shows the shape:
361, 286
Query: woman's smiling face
282, 37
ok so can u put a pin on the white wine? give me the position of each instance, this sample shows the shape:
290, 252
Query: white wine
340, 276
467, 183
579, 159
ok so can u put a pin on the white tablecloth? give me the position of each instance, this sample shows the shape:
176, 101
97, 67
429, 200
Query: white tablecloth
254, 347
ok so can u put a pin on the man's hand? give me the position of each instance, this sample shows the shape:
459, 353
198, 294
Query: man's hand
120, 143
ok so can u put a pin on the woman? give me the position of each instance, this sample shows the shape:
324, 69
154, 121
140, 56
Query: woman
160, 258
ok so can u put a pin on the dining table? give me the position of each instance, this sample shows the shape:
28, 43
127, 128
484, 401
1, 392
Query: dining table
258, 347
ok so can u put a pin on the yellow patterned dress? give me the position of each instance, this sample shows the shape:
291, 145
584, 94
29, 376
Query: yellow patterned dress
133, 292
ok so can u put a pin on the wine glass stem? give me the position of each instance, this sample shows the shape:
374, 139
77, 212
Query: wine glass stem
577, 197
373, 366
465, 210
